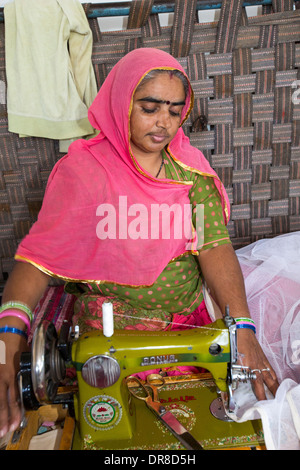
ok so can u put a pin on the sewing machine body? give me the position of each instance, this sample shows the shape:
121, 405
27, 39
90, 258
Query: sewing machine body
132, 352
106, 414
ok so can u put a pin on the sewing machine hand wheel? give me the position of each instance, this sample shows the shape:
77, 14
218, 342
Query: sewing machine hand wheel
46, 366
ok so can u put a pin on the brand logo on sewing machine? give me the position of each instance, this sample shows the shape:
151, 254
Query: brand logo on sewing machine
158, 360
102, 412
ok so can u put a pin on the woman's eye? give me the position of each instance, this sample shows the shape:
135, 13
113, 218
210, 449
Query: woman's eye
153, 110
173, 113
148, 111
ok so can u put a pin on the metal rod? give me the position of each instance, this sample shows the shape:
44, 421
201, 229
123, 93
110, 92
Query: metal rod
122, 9
105, 10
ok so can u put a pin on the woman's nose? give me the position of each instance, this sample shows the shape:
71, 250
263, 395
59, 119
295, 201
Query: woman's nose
164, 119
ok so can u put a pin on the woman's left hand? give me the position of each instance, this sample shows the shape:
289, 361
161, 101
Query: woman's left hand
224, 279
250, 354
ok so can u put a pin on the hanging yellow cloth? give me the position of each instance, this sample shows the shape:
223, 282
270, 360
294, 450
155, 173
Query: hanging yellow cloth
50, 77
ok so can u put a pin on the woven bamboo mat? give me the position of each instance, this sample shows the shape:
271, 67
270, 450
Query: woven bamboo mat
246, 117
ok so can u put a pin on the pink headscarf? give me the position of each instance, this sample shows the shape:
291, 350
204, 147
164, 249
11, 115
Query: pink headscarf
101, 174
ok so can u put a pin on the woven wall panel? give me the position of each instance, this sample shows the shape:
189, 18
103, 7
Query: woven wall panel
243, 71
25, 165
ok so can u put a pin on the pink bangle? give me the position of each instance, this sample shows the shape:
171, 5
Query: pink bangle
18, 314
246, 323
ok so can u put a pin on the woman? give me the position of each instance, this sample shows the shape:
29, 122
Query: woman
111, 223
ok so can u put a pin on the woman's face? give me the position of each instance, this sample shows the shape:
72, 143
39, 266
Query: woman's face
156, 114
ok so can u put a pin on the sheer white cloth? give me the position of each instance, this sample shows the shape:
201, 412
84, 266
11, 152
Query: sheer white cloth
271, 269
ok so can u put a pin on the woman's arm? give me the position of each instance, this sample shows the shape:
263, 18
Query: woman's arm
224, 278
26, 284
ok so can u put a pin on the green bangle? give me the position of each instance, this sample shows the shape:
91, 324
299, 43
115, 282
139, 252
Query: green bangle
18, 305
245, 319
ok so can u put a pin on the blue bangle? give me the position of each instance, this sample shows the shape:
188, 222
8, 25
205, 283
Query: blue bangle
9, 329
246, 325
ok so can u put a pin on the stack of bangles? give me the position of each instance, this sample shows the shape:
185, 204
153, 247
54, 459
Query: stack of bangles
17, 310
245, 322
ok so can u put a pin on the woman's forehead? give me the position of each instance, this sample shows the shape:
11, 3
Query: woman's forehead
164, 86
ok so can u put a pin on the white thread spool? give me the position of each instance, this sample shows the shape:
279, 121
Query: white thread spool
108, 319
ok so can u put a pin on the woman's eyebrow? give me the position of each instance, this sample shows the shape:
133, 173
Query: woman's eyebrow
150, 99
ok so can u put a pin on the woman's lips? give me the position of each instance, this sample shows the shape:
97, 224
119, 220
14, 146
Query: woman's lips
158, 138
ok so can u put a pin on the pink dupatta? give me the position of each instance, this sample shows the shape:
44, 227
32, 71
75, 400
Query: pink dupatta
101, 175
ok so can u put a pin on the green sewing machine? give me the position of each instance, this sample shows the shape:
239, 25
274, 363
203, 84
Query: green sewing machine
107, 413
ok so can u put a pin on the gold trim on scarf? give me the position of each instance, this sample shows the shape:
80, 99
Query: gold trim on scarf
201, 173
89, 281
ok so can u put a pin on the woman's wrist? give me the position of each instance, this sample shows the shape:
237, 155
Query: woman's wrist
13, 330
13, 322
244, 322
19, 311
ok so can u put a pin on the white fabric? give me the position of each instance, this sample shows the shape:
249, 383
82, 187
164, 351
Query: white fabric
47, 441
271, 268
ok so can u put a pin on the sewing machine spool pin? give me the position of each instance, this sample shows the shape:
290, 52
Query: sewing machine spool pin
108, 319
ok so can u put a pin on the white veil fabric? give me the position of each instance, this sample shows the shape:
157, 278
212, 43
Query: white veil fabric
271, 269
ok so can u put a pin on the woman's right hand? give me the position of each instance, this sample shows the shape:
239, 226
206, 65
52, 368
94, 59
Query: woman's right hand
26, 284
10, 410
